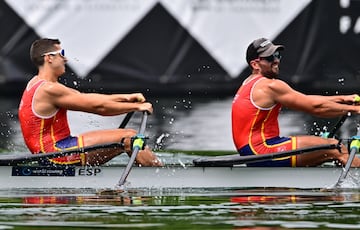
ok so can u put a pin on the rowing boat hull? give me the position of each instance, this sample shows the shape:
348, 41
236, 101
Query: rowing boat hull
169, 177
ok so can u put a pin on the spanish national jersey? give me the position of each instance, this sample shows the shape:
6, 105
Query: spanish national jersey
252, 124
255, 129
41, 132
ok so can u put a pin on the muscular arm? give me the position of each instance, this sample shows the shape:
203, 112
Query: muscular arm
322, 106
133, 97
343, 99
59, 96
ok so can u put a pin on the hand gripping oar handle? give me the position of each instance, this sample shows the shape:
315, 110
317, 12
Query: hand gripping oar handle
340, 121
137, 146
354, 148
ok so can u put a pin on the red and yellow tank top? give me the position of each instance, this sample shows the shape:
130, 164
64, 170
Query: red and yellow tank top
41, 133
251, 124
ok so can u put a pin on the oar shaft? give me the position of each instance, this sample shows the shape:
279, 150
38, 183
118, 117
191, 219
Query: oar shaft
354, 146
126, 120
136, 150
11, 160
231, 160
338, 125
348, 165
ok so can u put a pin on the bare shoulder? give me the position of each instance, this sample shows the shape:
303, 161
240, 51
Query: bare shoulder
57, 89
277, 83
272, 86
265, 92
278, 86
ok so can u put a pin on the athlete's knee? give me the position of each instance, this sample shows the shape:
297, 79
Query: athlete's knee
126, 139
340, 148
128, 132
332, 140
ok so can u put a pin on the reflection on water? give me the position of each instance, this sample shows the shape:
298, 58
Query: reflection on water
239, 209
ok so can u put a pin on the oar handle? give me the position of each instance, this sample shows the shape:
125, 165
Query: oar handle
341, 121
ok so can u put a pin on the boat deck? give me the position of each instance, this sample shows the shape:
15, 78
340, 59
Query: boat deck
107, 177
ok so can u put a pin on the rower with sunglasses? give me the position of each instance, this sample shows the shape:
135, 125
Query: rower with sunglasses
257, 104
44, 104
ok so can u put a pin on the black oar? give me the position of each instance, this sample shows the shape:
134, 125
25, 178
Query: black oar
137, 146
338, 125
230, 160
11, 160
126, 120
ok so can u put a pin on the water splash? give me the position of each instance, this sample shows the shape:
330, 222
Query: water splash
341, 81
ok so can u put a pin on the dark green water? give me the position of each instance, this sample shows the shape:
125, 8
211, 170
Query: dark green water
244, 209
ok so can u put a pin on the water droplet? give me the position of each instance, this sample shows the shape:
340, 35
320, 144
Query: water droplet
341, 81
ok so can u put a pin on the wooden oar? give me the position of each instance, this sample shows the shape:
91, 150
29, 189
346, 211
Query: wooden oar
230, 160
137, 146
11, 160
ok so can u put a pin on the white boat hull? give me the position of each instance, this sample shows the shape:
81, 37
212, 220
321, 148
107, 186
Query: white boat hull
170, 177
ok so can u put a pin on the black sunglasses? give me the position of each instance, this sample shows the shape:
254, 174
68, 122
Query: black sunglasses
272, 57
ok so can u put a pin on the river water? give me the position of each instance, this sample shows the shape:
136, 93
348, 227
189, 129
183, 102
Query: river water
181, 124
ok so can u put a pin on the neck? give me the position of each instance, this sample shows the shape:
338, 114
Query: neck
252, 76
46, 75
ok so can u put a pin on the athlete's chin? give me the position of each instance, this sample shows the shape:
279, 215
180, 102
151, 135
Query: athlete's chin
271, 74
275, 72
275, 69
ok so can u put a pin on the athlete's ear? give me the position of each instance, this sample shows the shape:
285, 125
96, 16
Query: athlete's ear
254, 64
48, 58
